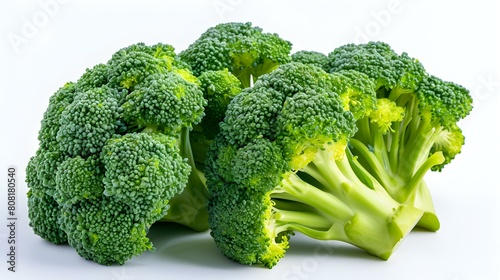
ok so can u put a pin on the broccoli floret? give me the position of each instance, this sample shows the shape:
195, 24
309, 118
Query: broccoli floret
86, 123
280, 165
219, 88
44, 214
311, 57
94, 77
115, 156
241, 48
148, 107
414, 127
118, 194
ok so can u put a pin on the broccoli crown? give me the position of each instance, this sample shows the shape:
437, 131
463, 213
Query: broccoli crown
110, 158
94, 77
118, 194
428, 102
241, 48
413, 126
380, 62
280, 164
311, 57
356, 91
86, 123
443, 103
265, 128
149, 106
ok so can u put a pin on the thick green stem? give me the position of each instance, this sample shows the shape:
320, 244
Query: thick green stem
416, 151
150, 129
400, 159
394, 145
245, 76
379, 147
421, 198
316, 198
344, 208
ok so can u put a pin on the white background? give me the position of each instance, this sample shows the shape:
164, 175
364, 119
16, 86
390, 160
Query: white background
45, 43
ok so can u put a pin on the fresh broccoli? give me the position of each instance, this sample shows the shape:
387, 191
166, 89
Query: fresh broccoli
115, 156
241, 48
280, 165
414, 126
311, 57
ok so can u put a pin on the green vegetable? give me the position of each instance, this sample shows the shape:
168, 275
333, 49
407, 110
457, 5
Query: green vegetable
237, 135
414, 127
115, 156
280, 164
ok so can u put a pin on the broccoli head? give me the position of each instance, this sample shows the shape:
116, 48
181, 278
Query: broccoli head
414, 126
115, 156
280, 165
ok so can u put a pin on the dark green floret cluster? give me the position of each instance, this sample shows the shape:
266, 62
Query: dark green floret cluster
245, 50
113, 154
311, 57
239, 136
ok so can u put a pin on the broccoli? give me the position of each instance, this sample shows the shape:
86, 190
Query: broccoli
414, 126
311, 57
241, 48
280, 165
236, 135
115, 156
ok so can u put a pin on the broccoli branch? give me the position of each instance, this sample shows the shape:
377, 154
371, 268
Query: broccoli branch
334, 204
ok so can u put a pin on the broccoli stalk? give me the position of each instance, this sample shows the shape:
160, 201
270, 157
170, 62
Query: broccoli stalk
400, 156
342, 207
